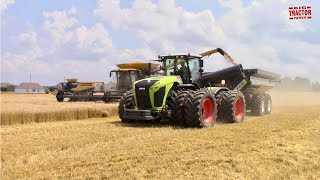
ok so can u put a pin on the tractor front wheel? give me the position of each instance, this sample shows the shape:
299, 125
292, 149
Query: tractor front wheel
201, 109
177, 107
126, 102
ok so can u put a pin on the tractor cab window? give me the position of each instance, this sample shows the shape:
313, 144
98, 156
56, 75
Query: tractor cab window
194, 69
177, 66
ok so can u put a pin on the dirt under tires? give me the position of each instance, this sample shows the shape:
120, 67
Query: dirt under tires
232, 107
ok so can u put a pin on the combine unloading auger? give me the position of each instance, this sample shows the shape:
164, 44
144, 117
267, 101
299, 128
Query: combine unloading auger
221, 51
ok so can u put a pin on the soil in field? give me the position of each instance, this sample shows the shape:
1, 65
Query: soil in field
283, 145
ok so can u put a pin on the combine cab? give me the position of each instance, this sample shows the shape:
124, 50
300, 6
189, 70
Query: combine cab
125, 76
191, 97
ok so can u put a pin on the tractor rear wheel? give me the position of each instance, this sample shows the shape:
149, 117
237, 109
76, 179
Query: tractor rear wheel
201, 109
59, 96
221, 97
258, 105
233, 107
177, 106
126, 101
268, 103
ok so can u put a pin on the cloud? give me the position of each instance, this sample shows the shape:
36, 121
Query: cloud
65, 48
162, 25
5, 4
254, 37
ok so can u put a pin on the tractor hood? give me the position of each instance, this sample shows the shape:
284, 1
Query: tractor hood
151, 93
158, 81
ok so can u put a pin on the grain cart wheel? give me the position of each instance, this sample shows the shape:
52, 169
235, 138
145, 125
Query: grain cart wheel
59, 96
201, 109
268, 103
177, 108
234, 107
126, 101
258, 105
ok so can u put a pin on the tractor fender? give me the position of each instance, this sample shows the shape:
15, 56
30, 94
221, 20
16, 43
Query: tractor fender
216, 90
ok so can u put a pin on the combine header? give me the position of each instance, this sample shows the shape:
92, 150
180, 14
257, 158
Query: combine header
191, 97
79, 91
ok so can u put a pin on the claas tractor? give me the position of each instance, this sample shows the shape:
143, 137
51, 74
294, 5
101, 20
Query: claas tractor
188, 96
125, 76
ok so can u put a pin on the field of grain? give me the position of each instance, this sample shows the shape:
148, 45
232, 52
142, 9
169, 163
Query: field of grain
283, 145
28, 108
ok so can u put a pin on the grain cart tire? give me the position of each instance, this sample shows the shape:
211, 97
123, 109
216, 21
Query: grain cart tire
201, 109
234, 107
258, 105
268, 104
221, 98
126, 101
59, 96
178, 105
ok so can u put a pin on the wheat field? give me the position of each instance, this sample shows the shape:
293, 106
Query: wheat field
29, 108
283, 145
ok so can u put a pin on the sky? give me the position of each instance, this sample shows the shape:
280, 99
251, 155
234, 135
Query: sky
84, 39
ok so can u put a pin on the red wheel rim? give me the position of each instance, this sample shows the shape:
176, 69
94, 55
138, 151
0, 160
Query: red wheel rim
207, 111
239, 109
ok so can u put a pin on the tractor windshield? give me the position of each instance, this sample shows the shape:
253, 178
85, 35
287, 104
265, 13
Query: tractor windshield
187, 68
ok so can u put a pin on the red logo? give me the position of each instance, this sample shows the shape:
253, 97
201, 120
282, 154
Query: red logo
300, 12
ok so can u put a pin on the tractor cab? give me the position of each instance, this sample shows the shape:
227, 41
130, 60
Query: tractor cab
188, 67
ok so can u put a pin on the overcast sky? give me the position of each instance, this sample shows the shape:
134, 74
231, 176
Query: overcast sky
84, 39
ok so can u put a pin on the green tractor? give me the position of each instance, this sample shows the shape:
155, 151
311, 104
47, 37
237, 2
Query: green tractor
190, 97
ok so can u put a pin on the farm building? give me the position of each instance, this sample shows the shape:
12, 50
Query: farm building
7, 86
32, 88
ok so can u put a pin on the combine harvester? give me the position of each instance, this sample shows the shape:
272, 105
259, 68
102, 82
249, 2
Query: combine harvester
125, 76
191, 97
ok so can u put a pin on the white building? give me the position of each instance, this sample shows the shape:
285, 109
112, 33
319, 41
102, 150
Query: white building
31, 88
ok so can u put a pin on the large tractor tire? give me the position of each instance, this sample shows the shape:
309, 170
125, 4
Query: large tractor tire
59, 96
126, 101
178, 105
200, 109
258, 105
233, 107
268, 103
221, 97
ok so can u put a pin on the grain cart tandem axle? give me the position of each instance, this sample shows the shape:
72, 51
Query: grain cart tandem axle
191, 97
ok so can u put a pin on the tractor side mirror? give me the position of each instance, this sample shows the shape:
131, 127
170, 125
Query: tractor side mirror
201, 63
110, 74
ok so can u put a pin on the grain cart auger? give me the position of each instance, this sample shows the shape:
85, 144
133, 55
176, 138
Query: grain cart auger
191, 97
